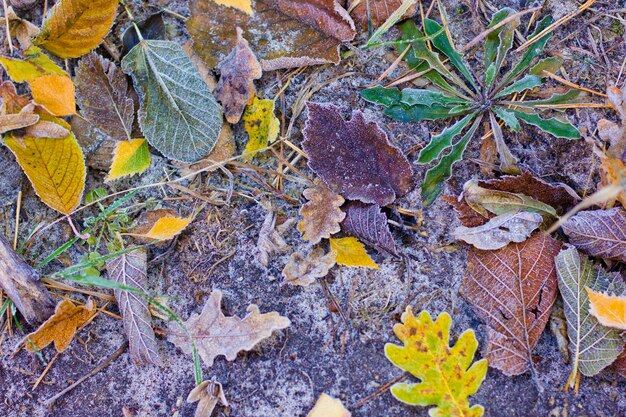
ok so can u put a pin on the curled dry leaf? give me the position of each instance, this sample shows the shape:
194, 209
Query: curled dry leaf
61, 327
305, 270
349, 251
500, 231
215, 334
368, 224
21, 29
306, 32
10, 122
609, 309
612, 168
235, 87
46, 129
355, 158
322, 214
465, 213
270, 240
207, 394
379, 10
327, 406
600, 233
512, 289
130, 269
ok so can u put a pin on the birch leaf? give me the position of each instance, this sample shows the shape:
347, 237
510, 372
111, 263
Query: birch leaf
350, 252
130, 269
599, 232
610, 310
75, 27
55, 167
321, 215
178, 114
129, 158
448, 376
215, 334
261, 124
593, 346
500, 231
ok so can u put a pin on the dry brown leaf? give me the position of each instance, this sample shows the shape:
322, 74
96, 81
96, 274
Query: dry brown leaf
512, 290
235, 87
270, 240
305, 270
380, 10
600, 233
613, 172
466, 215
61, 327
215, 334
207, 395
366, 222
10, 122
203, 69
500, 231
21, 29
322, 214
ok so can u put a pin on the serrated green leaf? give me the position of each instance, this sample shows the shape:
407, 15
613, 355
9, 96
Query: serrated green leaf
435, 176
552, 126
526, 83
418, 113
565, 98
550, 64
412, 96
444, 139
178, 114
498, 42
593, 346
448, 376
380, 95
507, 117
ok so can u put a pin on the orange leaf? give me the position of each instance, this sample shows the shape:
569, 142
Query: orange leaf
610, 310
56, 93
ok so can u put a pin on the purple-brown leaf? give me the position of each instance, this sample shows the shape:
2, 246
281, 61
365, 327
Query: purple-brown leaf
600, 233
355, 158
368, 224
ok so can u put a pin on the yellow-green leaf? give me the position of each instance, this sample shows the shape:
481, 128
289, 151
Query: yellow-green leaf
261, 124
75, 27
50, 85
350, 252
129, 158
166, 228
447, 374
55, 167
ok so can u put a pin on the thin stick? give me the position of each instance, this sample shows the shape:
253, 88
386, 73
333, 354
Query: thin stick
45, 371
571, 84
6, 18
17, 218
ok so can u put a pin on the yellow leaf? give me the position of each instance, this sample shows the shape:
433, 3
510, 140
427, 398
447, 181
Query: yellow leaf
61, 327
261, 124
243, 5
129, 158
51, 86
166, 228
327, 406
55, 167
75, 27
610, 310
350, 252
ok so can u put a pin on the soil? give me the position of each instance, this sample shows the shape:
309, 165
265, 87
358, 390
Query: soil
322, 351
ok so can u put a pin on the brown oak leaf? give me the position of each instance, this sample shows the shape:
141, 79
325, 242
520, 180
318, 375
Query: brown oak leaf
368, 224
512, 290
322, 214
283, 33
235, 87
355, 158
600, 233
380, 10
215, 334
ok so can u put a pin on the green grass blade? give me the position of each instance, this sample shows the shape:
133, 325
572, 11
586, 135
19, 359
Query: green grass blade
443, 140
552, 126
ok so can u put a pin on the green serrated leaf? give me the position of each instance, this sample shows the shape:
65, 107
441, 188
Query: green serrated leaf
499, 42
550, 64
418, 113
593, 346
526, 83
380, 95
566, 98
507, 117
412, 96
444, 139
178, 114
552, 126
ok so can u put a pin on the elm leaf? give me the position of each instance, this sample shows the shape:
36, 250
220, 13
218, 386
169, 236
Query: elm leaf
600, 233
368, 224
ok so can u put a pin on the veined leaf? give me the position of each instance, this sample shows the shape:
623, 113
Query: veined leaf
75, 27
129, 158
526, 83
500, 231
369, 225
261, 125
599, 232
435, 176
444, 139
552, 126
610, 310
380, 95
593, 346
350, 252
448, 376
55, 167
178, 114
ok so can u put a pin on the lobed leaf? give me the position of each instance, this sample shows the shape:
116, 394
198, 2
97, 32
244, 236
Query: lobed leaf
322, 214
599, 233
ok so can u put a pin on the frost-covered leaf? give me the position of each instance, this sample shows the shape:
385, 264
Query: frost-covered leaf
130, 269
349, 251
368, 224
270, 240
261, 124
465, 213
61, 327
102, 94
609, 309
593, 347
178, 114
75, 27
15, 121
235, 87
305, 270
215, 334
283, 34
327, 406
321, 215
224, 150
512, 289
355, 158
129, 158
207, 394
500, 231
379, 10
21, 29
161, 226
600, 233
448, 376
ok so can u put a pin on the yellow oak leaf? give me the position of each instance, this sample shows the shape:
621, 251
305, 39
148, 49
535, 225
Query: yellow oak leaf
54, 166
327, 406
447, 374
129, 158
350, 252
165, 228
243, 5
61, 327
75, 27
261, 124
610, 310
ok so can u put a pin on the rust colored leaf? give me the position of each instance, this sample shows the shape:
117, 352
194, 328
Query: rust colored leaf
612, 172
321, 215
466, 214
355, 158
283, 33
235, 87
600, 233
380, 10
368, 224
619, 366
512, 290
